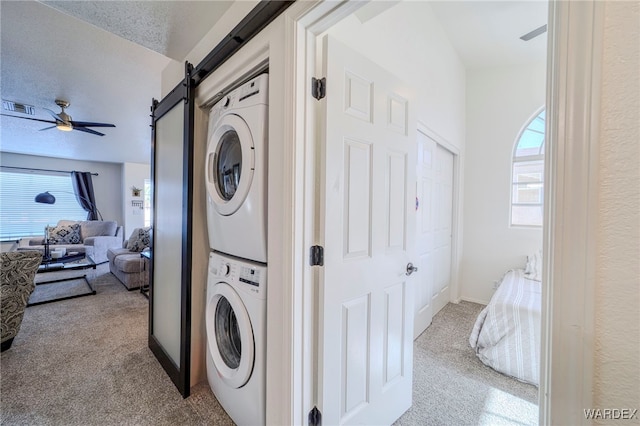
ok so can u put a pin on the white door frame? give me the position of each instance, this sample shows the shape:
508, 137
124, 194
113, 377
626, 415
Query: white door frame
575, 34
570, 223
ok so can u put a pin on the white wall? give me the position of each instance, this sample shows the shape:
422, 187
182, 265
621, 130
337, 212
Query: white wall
107, 185
500, 101
617, 316
409, 42
174, 72
133, 174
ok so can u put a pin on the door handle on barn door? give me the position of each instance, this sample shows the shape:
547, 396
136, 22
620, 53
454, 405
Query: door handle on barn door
411, 269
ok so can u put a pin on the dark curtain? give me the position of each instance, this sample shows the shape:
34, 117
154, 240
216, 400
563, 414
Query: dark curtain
83, 188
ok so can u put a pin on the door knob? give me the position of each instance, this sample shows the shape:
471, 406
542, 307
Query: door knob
411, 269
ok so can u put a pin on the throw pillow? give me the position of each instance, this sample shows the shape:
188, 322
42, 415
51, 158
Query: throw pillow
533, 270
65, 234
140, 239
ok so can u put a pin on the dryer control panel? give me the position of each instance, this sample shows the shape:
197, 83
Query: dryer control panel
253, 92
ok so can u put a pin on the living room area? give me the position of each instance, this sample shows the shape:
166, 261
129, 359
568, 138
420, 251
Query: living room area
104, 82
75, 229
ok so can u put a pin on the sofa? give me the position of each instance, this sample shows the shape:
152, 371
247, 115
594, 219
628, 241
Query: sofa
92, 237
126, 263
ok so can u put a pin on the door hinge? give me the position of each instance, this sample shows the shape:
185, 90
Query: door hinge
318, 87
316, 256
315, 417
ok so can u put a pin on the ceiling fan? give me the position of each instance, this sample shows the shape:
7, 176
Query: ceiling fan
64, 122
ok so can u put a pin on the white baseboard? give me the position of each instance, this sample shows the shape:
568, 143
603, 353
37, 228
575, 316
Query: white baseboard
472, 300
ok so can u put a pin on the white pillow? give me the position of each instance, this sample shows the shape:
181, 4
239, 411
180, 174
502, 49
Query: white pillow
527, 269
533, 271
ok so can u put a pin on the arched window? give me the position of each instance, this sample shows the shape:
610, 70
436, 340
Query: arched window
527, 177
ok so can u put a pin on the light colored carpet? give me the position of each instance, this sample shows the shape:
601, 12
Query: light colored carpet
452, 387
85, 361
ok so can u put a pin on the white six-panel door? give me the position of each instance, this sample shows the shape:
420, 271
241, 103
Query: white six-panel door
425, 235
443, 220
368, 206
434, 218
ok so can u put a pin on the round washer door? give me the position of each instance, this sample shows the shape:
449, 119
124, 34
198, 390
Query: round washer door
230, 336
230, 164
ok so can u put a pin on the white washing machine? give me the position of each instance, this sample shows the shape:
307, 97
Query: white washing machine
236, 315
236, 172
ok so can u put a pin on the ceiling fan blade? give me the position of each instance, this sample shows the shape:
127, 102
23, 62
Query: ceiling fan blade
535, 33
53, 114
47, 128
29, 118
83, 129
90, 124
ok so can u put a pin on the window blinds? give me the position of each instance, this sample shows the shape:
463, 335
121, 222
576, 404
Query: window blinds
21, 216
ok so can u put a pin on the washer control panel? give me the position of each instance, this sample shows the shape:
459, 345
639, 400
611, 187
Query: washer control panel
249, 276
244, 275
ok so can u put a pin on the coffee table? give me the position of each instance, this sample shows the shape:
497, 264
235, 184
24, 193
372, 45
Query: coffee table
66, 265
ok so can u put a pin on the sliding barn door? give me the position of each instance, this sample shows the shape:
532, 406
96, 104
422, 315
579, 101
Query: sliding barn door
366, 305
170, 273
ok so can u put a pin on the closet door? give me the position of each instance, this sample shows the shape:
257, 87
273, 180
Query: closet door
434, 230
170, 274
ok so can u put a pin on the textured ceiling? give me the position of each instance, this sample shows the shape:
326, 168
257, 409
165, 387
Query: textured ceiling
171, 28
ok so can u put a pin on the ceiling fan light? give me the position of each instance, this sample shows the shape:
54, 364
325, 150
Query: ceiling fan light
65, 127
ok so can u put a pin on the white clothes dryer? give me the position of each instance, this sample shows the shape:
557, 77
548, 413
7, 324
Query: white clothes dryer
236, 172
236, 315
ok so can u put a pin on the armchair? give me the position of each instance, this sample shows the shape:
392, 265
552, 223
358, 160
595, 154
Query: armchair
126, 263
17, 275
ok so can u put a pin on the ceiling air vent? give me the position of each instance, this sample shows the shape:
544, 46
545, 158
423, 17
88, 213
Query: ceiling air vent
16, 107
535, 33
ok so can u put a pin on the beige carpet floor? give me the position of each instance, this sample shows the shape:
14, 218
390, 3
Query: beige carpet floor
85, 361
452, 387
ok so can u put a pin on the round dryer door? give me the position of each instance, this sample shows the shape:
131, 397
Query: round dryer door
230, 336
230, 164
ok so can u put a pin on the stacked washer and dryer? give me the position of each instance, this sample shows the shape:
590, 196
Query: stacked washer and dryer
236, 184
